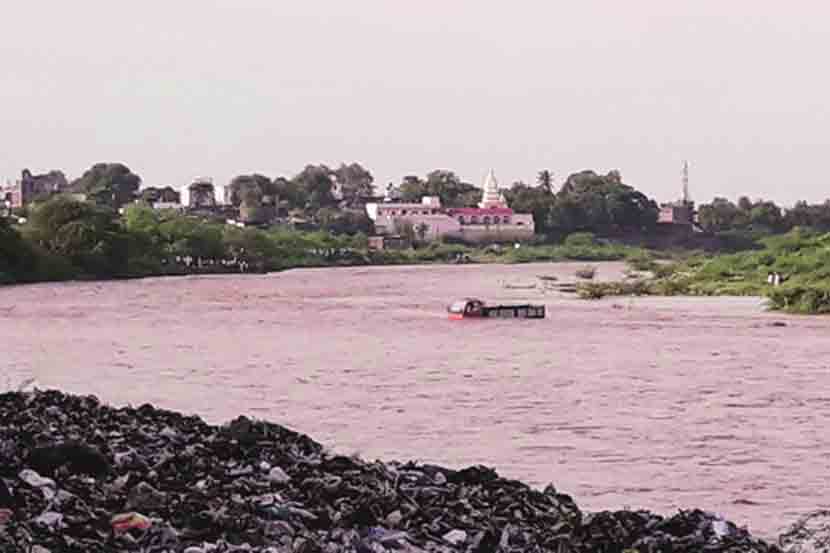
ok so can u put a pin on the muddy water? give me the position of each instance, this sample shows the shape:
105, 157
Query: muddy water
656, 403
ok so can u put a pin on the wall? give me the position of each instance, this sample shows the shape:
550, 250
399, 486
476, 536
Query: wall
480, 234
437, 225
676, 214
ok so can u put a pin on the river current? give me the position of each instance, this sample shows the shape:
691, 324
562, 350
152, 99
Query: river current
658, 403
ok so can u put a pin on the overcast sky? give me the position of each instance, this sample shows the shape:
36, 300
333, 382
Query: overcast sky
179, 88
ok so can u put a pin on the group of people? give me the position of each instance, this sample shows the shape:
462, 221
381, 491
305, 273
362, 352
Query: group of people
775, 279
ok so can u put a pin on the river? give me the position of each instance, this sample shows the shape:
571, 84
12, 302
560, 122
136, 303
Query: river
658, 403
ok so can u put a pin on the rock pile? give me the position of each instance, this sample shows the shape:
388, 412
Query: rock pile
76, 475
810, 534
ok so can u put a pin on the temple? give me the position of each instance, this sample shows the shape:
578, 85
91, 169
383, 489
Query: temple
492, 221
492, 197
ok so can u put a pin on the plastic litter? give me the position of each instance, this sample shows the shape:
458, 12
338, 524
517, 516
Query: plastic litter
130, 521
177, 484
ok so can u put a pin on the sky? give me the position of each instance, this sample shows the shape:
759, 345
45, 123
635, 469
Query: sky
185, 88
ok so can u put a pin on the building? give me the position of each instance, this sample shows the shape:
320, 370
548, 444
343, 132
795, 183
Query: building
678, 219
492, 198
200, 194
157, 196
676, 214
492, 221
391, 218
32, 187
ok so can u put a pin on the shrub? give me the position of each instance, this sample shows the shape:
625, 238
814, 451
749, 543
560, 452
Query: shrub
580, 240
598, 290
586, 273
641, 261
813, 299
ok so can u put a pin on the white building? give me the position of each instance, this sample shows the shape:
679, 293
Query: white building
492, 221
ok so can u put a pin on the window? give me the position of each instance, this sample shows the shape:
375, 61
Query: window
403, 212
474, 220
506, 220
461, 219
496, 220
486, 219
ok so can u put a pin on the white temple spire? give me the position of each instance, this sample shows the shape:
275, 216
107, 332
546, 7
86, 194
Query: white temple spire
492, 195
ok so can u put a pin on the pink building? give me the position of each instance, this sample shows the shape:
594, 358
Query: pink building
493, 221
390, 217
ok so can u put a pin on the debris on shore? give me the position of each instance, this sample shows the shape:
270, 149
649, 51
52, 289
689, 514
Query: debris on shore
76, 475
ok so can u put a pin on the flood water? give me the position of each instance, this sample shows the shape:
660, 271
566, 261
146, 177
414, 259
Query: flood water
658, 403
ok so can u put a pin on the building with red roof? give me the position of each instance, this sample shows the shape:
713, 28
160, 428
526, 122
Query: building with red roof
492, 221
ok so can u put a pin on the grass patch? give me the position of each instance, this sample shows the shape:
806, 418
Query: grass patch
801, 257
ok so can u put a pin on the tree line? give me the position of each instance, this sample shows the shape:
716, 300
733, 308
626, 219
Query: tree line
66, 238
763, 216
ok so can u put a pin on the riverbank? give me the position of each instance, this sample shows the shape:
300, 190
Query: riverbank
296, 250
800, 259
79, 475
147, 244
65, 239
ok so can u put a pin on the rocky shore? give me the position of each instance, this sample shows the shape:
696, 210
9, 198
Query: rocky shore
79, 476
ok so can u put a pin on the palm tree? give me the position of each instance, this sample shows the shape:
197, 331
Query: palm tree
545, 180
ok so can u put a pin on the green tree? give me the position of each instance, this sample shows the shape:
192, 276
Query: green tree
545, 180
355, 183
722, 215
802, 214
252, 246
719, 215
90, 238
141, 218
601, 203
291, 192
445, 184
537, 200
18, 261
108, 184
190, 236
317, 184
767, 216
411, 189
251, 190
349, 222
202, 194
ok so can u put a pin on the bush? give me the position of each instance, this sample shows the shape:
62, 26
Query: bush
810, 300
439, 252
598, 290
580, 240
586, 273
670, 287
664, 270
642, 261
